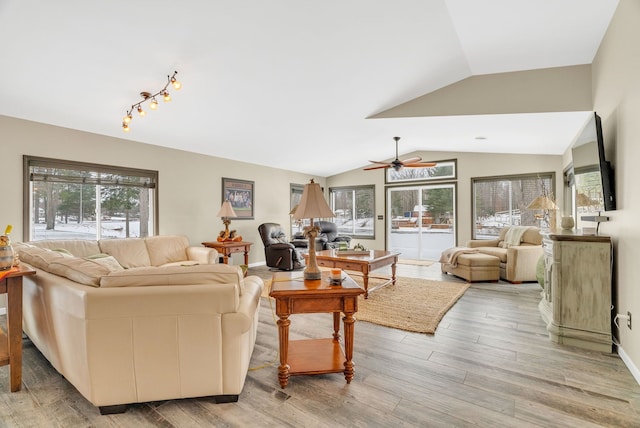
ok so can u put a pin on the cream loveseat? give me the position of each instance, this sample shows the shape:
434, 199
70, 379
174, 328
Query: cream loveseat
518, 252
138, 320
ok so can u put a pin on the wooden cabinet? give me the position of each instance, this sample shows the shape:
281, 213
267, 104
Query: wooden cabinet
576, 302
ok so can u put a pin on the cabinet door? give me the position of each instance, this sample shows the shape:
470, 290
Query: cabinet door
585, 286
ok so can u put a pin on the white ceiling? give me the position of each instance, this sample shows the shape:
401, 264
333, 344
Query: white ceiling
289, 83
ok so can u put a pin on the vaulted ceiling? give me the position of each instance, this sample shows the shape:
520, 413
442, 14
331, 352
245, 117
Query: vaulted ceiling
314, 86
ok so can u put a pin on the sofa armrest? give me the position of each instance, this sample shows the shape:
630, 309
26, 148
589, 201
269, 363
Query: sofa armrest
202, 255
475, 243
522, 261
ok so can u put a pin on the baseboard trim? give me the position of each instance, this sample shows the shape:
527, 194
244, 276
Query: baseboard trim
257, 264
630, 365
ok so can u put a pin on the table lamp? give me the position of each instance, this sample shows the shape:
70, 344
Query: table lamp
312, 205
226, 211
545, 204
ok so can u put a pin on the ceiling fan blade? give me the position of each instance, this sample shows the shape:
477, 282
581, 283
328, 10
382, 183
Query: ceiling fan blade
412, 160
420, 165
382, 163
377, 167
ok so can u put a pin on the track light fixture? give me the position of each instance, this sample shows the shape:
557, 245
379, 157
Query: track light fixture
153, 103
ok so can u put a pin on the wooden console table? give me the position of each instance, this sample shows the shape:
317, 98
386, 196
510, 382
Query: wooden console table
294, 295
577, 297
11, 343
229, 247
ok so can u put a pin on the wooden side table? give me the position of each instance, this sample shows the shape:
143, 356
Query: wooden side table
11, 343
294, 295
229, 247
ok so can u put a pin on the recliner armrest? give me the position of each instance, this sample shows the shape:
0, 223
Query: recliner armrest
281, 246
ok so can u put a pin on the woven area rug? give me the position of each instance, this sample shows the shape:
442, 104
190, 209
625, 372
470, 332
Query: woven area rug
412, 304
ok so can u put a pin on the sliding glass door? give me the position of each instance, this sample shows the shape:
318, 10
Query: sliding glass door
421, 220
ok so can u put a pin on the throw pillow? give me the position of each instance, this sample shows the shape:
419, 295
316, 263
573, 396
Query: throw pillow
107, 261
64, 252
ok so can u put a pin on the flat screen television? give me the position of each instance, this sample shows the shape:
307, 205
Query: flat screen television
594, 179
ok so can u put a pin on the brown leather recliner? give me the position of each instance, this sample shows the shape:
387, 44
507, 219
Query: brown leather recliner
279, 253
328, 237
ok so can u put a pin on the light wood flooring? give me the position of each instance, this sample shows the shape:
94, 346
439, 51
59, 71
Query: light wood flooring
489, 364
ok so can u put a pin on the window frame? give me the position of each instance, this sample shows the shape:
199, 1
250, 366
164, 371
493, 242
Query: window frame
35, 161
367, 187
549, 175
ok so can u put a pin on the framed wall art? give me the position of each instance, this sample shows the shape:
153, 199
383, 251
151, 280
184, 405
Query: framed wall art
241, 194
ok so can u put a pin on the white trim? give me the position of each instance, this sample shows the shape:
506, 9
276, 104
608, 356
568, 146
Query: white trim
3, 311
627, 361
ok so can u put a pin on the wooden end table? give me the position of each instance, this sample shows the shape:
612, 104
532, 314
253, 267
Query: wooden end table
363, 263
229, 247
294, 295
11, 342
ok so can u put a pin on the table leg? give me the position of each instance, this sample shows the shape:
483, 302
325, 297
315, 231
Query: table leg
225, 258
365, 280
336, 325
246, 256
283, 333
14, 331
349, 322
393, 272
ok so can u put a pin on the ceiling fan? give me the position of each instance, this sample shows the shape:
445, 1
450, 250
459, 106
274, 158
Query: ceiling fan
397, 164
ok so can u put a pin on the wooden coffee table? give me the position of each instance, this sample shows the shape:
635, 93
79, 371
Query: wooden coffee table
363, 263
295, 295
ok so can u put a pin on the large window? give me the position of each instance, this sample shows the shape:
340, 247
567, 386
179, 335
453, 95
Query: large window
503, 201
355, 210
72, 200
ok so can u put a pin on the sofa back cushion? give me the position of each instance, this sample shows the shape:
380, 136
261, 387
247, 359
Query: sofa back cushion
129, 252
77, 247
531, 236
166, 249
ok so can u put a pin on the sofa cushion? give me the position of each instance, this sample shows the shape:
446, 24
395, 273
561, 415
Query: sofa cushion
498, 252
175, 275
37, 257
129, 252
166, 249
83, 271
76, 269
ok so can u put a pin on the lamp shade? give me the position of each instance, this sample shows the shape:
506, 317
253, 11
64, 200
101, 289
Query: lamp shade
293, 210
226, 210
542, 203
312, 203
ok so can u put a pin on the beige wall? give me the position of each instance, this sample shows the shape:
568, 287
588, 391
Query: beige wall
189, 184
616, 92
469, 165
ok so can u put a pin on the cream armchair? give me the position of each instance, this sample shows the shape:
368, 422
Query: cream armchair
518, 252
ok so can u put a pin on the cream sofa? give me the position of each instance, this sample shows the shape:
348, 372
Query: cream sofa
138, 320
517, 262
